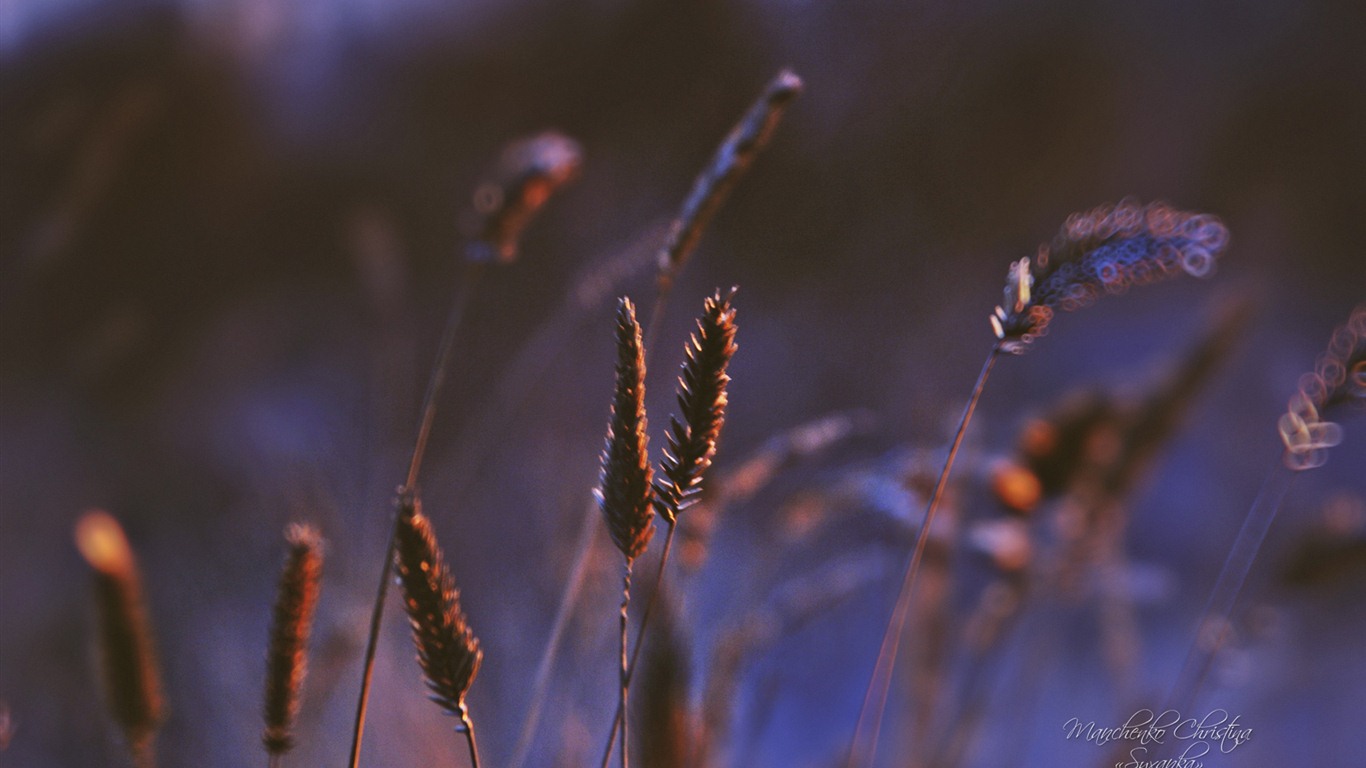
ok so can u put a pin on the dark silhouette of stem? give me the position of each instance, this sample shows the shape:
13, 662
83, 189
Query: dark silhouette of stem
862, 748
640, 637
625, 667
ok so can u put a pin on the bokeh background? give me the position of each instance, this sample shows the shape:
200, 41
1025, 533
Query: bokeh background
229, 231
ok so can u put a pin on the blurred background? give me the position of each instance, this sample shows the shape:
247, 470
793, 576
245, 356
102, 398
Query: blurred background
230, 231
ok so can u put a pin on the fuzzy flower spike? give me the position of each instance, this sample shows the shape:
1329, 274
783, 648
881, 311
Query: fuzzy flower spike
1105, 250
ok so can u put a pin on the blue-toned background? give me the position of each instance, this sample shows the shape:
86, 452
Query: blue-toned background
228, 235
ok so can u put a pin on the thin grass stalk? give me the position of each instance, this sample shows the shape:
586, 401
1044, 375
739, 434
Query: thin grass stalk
1211, 629
467, 726
625, 670
619, 717
471, 274
863, 745
540, 686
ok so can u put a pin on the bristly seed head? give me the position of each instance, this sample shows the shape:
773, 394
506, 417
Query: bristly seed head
1338, 379
1105, 250
702, 401
447, 649
287, 659
624, 492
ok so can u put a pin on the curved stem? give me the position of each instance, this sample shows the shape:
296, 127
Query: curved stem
1227, 588
640, 636
368, 665
467, 726
573, 587
472, 272
625, 667
863, 746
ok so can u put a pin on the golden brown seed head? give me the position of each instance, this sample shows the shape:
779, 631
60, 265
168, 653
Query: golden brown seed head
287, 660
624, 492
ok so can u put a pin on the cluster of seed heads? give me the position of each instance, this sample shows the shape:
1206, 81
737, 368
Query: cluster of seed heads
1104, 250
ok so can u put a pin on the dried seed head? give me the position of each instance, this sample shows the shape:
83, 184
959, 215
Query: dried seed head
1338, 380
287, 661
732, 159
447, 649
132, 681
702, 400
528, 173
1105, 250
624, 492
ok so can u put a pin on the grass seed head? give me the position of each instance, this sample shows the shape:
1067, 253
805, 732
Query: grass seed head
131, 676
702, 400
1105, 250
287, 660
624, 491
447, 649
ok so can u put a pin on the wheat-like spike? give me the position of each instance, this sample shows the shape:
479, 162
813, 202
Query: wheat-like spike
735, 155
624, 492
287, 661
702, 401
447, 649
131, 676
1104, 250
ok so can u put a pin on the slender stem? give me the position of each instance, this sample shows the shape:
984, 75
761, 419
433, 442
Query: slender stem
573, 588
640, 636
467, 725
1203, 650
368, 665
274, 760
625, 667
863, 746
472, 272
